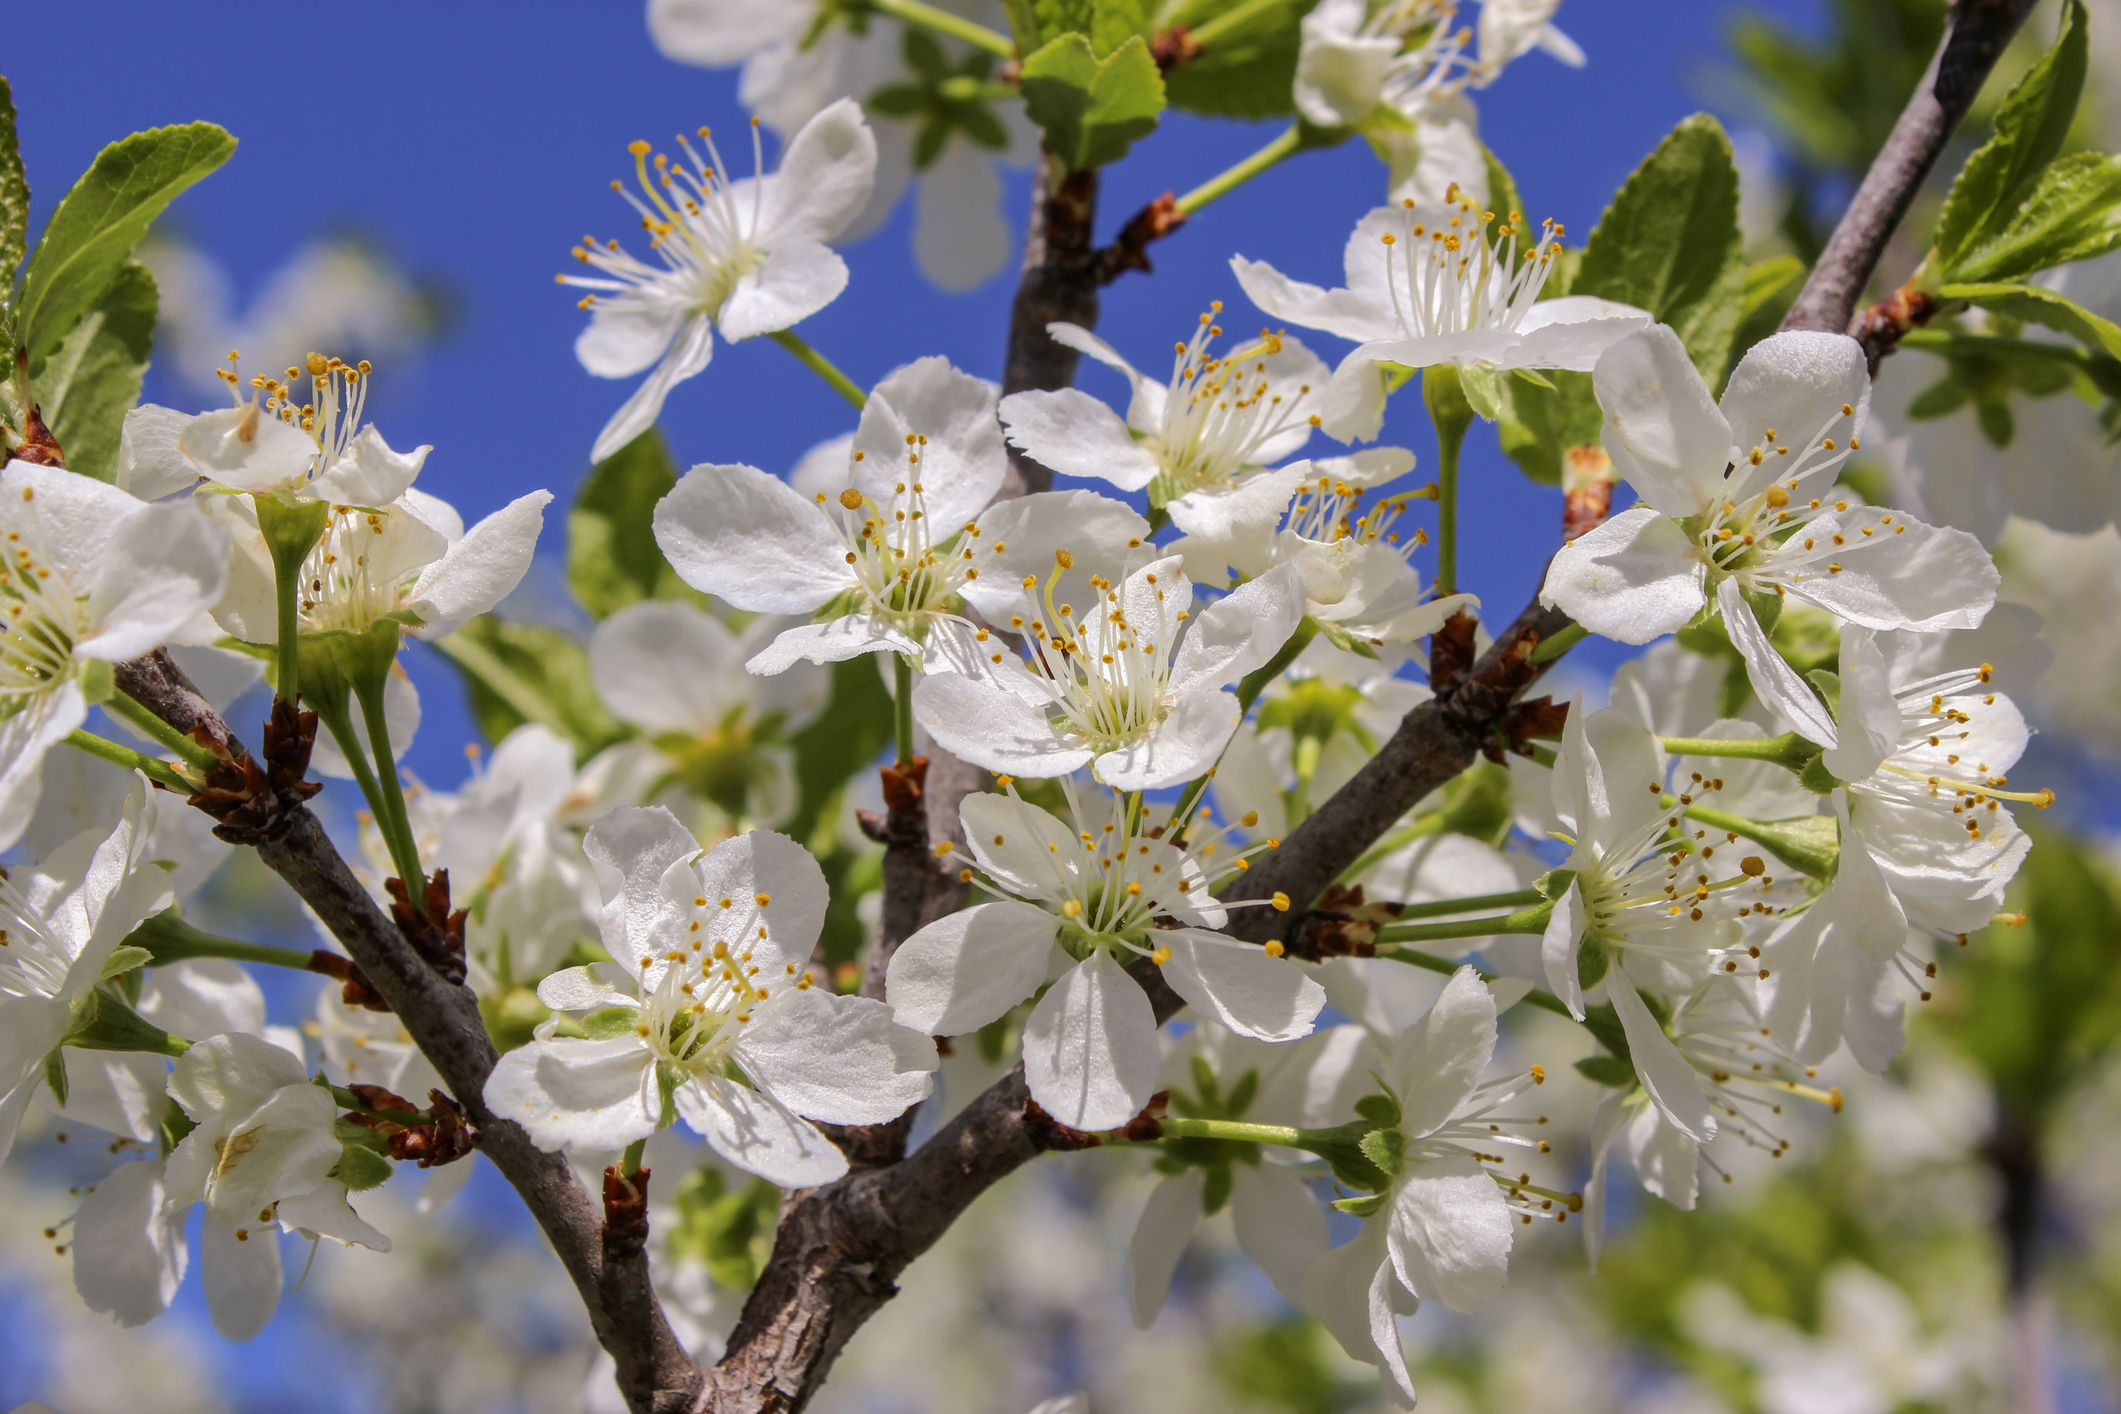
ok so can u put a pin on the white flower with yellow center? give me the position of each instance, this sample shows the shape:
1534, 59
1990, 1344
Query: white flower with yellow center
888, 559
1126, 685
1088, 902
89, 576
1741, 512
707, 1012
1187, 442
745, 256
1440, 285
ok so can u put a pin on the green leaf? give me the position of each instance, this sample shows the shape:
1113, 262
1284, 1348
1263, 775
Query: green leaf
1503, 198
1250, 70
1053, 18
361, 1168
2036, 305
2073, 213
93, 379
1607, 1070
1670, 242
521, 673
1540, 417
730, 1233
14, 194
2031, 127
1092, 110
1114, 22
612, 557
93, 232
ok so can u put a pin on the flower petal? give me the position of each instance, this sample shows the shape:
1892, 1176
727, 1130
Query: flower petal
575, 1094
691, 348
1664, 1073
981, 721
960, 238
1240, 986
129, 1250
968, 968
482, 569
241, 1275
1074, 434
1772, 677
1090, 1051
1181, 747
1633, 579
1438, 1060
745, 537
1279, 1224
757, 1134
823, 182
1664, 433
1167, 1225
1449, 1233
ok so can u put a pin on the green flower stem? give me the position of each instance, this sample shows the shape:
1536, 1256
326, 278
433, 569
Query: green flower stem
1230, 19
291, 530
1549, 649
125, 758
1429, 962
630, 1162
1789, 749
913, 12
170, 939
1526, 898
1232, 1129
1390, 844
193, 754
1287, 145
335, 719
1526, 920
1445, 394
404, 852
817, 363
347, 1100
902, 706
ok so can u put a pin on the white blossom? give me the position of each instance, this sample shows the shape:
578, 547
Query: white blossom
1079, 905
1740, 505
707, 1012
745, 256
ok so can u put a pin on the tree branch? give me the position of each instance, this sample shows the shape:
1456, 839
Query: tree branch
1973, 41
443, 1020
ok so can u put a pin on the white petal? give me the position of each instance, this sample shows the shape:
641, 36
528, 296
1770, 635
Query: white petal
1664, 1073
825, 177
326, 1213
1560, 342
251, 452
1558, 949
1351, 1291
1341, 312
1237, 984
628, 333
165, 565
978, 720
719, 33
1076, 435
242, 1276
1607, 1121
25, 739
482, 569
632, 849
150, 463
1772, 677
838, 1060
741, 535
1666, 1159
691, 348
1450, 1232
1160, 1239
1340, 76
1242, 518
129, 1252
369, 473
1633, 579
1279, 1224
1796, 382
1666, 437
667, 666
759, 1135
576, 1094
959, 236
776, 890
798, 278
599, 985
117, 1092
964, 459
1909, 575
1090, 1051
1180, 748
968, 968
1096, 530
1869, 722
1438, 1060
1239, 633
833, 641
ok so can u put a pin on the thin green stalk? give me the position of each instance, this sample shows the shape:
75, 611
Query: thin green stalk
347, 1100
820, 365
1287, 145
630, 1163
195, 755
913, 12
1548, 649
1231, 1129
1429, 962
1228, 20
1526, 920
170, 939
405, 851
287, 680
1789, 749
1445, 394
902, 707
125, 758
1429, 825
336, 721
1522, 898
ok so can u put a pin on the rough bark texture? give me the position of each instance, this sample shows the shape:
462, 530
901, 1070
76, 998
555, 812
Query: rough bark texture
1977, 34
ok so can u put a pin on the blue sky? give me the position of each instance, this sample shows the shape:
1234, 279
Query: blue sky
477, 149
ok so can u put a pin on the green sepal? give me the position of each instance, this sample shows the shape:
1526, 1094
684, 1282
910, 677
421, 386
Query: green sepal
55, 1074
351, 1135
1378, 1109
1386, 1148
1607, 1070
1817, 779
1827, 684
1810, 844
1343, 640
103, 1023
610, 1022
1092, 110
124, 959
1553, 886
1592, 962
1603, 1022
98, 681
291, 529
1342, 1148
174, 1125
667, 1080
1215, 1187
1364, 1205
361, 1168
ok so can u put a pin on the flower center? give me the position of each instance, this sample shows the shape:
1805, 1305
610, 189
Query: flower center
1450, 278
43, 617
332, 413
340, 589
902, 571
31, 963
1218, 412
